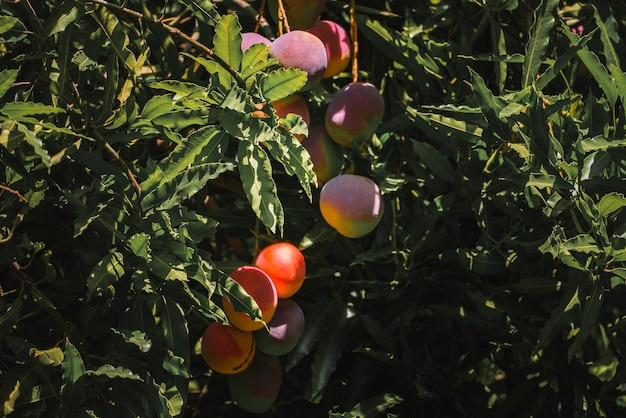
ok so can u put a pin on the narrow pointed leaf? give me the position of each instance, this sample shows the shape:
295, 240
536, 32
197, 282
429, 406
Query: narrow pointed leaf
108, 271
7, 78
328, 353
227, 45
281, 83
435, 161
538, 41
592, 306
205, 145
255, 171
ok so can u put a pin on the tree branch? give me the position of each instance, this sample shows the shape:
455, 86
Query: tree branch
177, 32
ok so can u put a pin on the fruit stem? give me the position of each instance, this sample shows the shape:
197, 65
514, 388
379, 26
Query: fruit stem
282, 18
355, 41
176, 32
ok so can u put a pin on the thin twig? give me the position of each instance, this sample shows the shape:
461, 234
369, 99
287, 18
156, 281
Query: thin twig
120, 161
260, 16
177, 32
89, 124
13, 191
355, 42
283, 22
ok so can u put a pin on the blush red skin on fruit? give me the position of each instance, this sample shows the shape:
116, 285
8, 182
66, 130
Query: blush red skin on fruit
295, 104
283, 331
354, 113
251, 38
337, 43
302, 50
226, 349
352, 204
326, 154
285, 265
261, 288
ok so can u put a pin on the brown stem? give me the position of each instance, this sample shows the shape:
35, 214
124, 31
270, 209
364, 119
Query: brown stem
355, 42
15, 192
260, 16
90, 124
177, 32
282, 19
121, 162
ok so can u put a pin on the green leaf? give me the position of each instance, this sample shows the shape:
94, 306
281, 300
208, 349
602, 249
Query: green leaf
36, 143
328, 353
592, 305
203, 10
446, 127
73, 369
439, 165
139, 244
281, 83
205, 145
137, 338
175, 330
168, 266
108, 271
610, 203
318, 319
255, 171
237, 295
114, 31
256, 59
537, 286
564, 58
7, 23
245, 127
7, 78
295, 160
538, 40
609, 32
375, 406
599, 143
67, 13
491, 106
180, 88
596, 68
227, 45
21, 109
110, 89
50, 357
114, 372
184, 185
563, 314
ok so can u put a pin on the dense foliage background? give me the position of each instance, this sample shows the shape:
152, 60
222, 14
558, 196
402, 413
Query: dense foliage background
134, 178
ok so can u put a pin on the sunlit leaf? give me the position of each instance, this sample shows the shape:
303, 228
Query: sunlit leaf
108, 271
282, 82
538, 41
255, 171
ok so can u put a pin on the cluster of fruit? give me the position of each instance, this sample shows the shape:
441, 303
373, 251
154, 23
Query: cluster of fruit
247, 349
349, 203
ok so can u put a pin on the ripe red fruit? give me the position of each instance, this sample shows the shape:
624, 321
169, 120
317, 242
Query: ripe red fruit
285, 265
302, 50
337, 43
226, 349
261, 288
